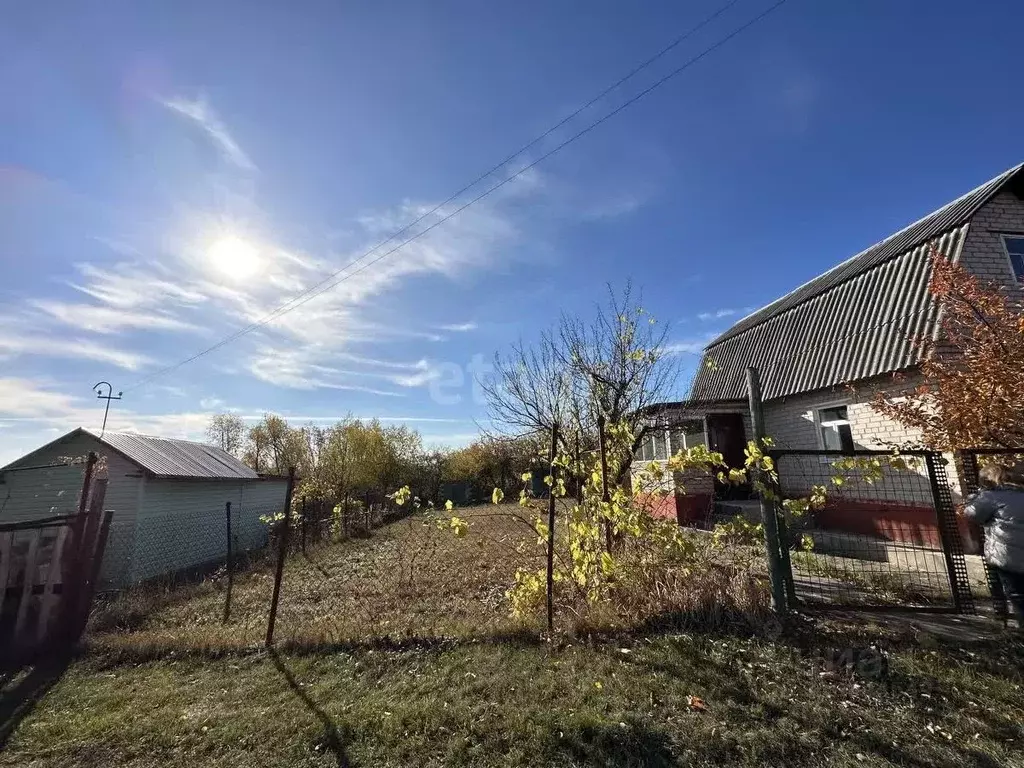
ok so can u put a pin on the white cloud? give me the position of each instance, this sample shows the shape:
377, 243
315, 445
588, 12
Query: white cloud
692, 346
302, 369
101, 319
423, 375
30, 407
174, 286
718, 314
202, 114
14, 341
459, 327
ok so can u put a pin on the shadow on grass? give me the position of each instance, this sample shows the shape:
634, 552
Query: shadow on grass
20, 695
621, 745
333, 739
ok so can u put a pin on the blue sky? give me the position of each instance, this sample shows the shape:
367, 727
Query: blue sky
171, 172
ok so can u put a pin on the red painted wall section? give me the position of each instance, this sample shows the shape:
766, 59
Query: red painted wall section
686, 509
906, 523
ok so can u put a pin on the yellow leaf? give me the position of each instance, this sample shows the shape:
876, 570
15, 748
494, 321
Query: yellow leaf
497, 495
697, 703
449, 505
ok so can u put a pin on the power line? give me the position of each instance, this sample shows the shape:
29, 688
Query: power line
330, 282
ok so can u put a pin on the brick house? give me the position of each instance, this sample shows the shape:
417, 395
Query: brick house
826, 348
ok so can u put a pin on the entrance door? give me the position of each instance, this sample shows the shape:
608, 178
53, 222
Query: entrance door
727, 436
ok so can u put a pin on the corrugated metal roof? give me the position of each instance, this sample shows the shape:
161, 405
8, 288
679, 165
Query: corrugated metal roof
931, 226
855, 321
165, 457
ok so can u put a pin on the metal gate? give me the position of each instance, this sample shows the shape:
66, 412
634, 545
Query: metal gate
872, 529
968, 462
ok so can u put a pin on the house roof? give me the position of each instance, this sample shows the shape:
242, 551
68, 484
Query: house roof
166, 457
855, 321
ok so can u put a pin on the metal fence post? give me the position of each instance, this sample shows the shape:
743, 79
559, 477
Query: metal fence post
230, 564
551, 531
605, 493
282, 550
967, 467
949, 535
769, 513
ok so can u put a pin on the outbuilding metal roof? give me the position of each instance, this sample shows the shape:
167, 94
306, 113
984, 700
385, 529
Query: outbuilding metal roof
165, 457
161, 456
855, 321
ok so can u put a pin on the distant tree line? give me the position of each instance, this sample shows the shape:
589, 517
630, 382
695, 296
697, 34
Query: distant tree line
358, 456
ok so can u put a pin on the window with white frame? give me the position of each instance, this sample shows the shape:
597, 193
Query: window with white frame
686, 435
834, 428
649, 447
1014, 245
660, 445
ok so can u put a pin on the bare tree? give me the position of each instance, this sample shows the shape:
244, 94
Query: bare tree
226, 431
616, 365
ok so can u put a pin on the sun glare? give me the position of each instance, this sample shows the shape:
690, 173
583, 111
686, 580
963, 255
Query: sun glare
234, 256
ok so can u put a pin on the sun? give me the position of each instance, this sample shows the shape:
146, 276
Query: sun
234, 256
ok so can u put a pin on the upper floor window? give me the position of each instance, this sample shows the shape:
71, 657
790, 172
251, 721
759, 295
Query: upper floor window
1015, 250
834, 428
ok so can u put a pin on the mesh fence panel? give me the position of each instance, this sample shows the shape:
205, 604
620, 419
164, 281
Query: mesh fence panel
876, 540
393, 571
167, 574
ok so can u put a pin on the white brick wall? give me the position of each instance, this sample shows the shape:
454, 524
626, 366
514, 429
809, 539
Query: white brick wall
790, 421
983, 252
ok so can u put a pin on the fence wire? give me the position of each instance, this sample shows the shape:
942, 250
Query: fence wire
877, 540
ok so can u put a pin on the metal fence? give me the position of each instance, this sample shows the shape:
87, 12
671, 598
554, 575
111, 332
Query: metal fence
969, 463
879, 531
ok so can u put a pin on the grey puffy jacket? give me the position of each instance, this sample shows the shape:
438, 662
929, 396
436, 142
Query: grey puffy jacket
1001, 511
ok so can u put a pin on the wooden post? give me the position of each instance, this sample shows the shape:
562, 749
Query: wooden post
97, 564
72, 585
282, 550
769, 513
605, 493
579, 471
551, 530
303, 525
230, 563
94, 545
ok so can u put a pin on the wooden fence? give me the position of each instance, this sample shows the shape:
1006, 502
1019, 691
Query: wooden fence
48, 574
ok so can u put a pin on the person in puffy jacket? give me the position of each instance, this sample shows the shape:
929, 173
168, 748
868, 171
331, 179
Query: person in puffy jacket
999, 507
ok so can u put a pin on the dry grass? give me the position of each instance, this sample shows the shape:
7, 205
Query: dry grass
406, 579
411, 580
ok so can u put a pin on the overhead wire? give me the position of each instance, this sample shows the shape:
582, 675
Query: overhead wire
336, 278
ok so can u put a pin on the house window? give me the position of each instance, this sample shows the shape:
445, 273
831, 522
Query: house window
1015, 250
686, 435
660, 446
834, 428
654, 447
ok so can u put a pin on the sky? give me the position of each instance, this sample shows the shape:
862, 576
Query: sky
171, 173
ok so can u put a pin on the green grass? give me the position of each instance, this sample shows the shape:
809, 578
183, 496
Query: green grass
619, 702
398, 650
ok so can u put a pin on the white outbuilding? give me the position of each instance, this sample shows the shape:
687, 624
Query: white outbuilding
169, 499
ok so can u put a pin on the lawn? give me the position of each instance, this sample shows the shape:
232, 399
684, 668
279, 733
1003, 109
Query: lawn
623, 702
409, 578
399, 650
